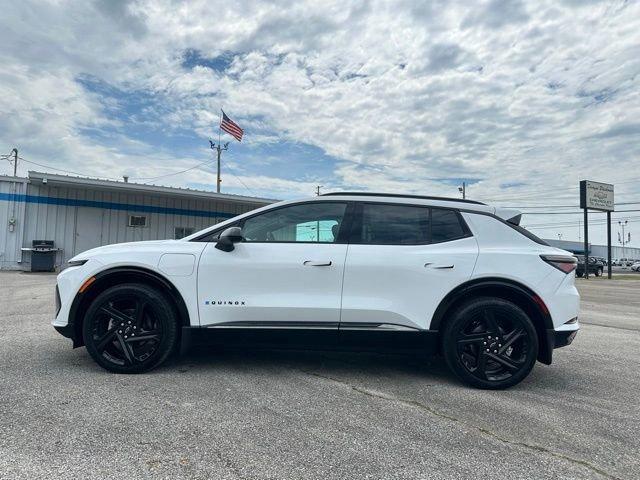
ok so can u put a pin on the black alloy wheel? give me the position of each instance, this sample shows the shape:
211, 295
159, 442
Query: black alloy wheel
490, 343
130, 328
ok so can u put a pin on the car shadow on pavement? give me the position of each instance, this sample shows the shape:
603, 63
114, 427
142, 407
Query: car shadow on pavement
363, 364
366, 367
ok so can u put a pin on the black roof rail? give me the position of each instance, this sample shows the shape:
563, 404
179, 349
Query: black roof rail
398, 195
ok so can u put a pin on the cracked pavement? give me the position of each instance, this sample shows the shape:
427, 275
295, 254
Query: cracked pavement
270, 414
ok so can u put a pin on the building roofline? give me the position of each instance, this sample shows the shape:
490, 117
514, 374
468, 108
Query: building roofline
68, 180
11, 178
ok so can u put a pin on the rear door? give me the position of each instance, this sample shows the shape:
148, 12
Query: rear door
401, 262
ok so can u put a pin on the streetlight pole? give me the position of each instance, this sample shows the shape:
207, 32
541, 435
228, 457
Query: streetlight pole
463, 190
623, 241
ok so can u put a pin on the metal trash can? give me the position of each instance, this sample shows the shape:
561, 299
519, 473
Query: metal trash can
43, 256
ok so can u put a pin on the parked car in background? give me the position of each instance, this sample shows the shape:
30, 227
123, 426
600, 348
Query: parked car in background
636, 267
596, 267
626, 262
601, 260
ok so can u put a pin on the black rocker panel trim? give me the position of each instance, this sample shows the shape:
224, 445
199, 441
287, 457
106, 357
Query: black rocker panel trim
311, 338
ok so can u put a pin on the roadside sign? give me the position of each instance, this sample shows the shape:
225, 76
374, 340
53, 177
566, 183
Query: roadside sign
596, 196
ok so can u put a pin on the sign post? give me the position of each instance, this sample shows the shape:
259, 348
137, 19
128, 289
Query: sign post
596, 196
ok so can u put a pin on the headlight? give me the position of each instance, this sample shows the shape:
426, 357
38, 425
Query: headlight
77, 263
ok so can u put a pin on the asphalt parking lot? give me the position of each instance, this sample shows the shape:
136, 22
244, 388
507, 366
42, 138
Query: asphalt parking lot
275, 415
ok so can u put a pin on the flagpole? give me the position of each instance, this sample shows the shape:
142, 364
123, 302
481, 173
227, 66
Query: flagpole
236, 132
219, 153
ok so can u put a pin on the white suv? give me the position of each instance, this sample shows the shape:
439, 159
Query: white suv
349, 270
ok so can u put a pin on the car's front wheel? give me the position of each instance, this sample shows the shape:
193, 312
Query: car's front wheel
490, 343
130, 328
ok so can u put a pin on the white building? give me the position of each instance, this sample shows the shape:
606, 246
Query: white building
596, 250
81, 213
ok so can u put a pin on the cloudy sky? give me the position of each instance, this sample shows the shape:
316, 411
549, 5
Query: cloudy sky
519, 99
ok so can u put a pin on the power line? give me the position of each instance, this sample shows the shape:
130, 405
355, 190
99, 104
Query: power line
573, 224
560, 206
110, 178
574, 213
238, 178
170, 174
560, 189
60, 169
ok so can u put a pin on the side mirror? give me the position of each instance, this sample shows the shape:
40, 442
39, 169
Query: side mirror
228, 238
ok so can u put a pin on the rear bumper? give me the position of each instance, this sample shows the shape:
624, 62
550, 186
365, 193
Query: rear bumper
560, 338
556, 339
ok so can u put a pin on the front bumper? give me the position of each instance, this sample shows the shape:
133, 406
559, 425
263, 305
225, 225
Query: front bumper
66, 331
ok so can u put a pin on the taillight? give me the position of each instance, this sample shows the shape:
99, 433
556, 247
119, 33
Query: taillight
564, 263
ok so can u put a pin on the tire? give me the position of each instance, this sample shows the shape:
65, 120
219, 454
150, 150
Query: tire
599, 272
579, 274
471, 331
130, 328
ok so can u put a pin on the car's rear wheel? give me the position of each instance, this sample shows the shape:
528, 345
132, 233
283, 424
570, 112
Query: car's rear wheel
599, 272
130, 328
490, 343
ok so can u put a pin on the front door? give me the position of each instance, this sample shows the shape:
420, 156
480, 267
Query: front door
286, 273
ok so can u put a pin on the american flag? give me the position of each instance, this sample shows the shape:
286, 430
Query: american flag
231, 127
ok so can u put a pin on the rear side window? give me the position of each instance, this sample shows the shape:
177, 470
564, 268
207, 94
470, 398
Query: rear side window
384, 224
394, 225
445, 226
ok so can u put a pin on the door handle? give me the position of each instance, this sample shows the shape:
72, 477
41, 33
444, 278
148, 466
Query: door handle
312, 263
437, 266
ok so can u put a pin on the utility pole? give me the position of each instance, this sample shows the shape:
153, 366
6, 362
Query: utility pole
15, 162
579, 230
609, 245
463, 190
586, 244
559, 236
318, 187
219, 149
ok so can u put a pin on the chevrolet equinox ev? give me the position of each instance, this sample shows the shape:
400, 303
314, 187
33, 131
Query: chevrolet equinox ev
365, 271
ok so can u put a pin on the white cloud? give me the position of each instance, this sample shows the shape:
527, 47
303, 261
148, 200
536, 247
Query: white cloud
400, 93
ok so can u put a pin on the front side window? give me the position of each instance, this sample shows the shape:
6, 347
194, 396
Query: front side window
311, 222
394, 225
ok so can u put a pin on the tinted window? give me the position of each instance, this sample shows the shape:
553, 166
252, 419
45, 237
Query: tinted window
394, 225
445, 225
310, 222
